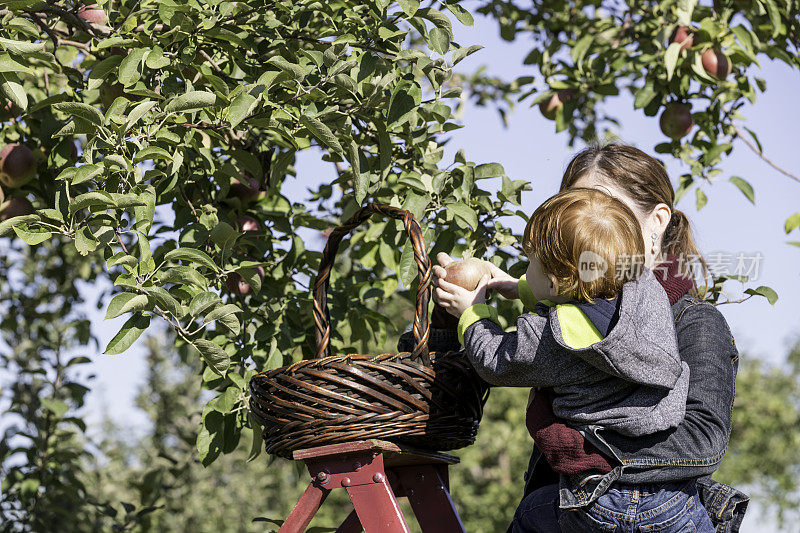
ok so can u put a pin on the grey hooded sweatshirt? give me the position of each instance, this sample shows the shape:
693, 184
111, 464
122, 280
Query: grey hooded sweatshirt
632, 381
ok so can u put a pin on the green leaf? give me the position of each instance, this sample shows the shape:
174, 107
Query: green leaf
581, 47
202, 302
439, 40
14, 92
252, 277
7, 225
791, 223
184, 274
129, 67
464, 213
407, 268
31, 238
214, 356
463, 52
489, 170
7, 64
241, 107
127, 302
321, 132
137, 113
463, 16
167, 302
296, 71
701, 199
644, 95
671, 58
20, 47
360, 180
409, 7
85, 242
764, 291
193, 255
191, 101
91, 198
745, 187
127, 335
57, 407
85, 173
152, 153
79, 109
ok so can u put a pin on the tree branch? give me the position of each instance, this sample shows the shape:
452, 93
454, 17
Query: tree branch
760, 154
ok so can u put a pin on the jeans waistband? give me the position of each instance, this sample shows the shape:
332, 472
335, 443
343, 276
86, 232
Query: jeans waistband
650, 488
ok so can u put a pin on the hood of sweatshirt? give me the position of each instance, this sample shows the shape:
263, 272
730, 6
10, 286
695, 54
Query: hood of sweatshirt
641, 346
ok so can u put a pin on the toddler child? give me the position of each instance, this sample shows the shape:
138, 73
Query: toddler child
602, 339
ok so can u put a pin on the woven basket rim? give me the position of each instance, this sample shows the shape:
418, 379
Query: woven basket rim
401, 357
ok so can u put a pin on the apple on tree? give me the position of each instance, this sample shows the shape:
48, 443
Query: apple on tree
17, 165
247, 223
245, 188
93, 14
15, 207
676, 120
549, 108
238, 285
683, 35
715, 63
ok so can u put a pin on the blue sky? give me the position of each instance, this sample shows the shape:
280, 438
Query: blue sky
530, 149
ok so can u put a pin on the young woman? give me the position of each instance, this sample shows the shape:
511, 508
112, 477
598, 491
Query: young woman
557, 479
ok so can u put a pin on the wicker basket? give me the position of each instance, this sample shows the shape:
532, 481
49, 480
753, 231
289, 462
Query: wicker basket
428, 400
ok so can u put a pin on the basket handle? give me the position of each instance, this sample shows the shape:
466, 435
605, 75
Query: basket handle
322, 316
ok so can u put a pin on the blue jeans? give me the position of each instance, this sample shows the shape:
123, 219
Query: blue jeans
666, 508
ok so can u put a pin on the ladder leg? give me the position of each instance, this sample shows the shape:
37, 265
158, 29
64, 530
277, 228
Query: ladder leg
305, 509
377, 508
351, 524
427, 492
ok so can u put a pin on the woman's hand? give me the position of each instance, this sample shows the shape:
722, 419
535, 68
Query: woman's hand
503, 282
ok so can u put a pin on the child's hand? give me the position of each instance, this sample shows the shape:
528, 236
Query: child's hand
457, 299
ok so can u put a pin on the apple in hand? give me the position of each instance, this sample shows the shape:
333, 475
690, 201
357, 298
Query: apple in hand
467, 273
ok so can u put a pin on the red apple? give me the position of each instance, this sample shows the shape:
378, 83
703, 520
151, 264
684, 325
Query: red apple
15, 207
467, 273
682, 34
715, 63
676, 120
93, 14
17, 165
238, 285
247, 223
245, 188
549, 108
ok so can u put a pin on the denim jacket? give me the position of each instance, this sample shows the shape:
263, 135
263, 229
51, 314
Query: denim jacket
692, 450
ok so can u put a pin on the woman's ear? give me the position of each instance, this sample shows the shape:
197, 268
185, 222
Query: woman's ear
658, 220
553, 285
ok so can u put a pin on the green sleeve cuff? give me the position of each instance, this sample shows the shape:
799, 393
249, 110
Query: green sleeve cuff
526, 294
471, 315
529, 301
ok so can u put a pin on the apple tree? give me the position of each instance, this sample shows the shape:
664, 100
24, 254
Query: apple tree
157, 137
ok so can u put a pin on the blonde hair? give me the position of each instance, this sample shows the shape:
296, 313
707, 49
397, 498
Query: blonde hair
581, 220
645, 180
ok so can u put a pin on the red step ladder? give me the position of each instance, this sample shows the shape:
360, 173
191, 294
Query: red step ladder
375, 473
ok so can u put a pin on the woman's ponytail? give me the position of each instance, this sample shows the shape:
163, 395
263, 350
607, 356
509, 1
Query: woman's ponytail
679, 240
